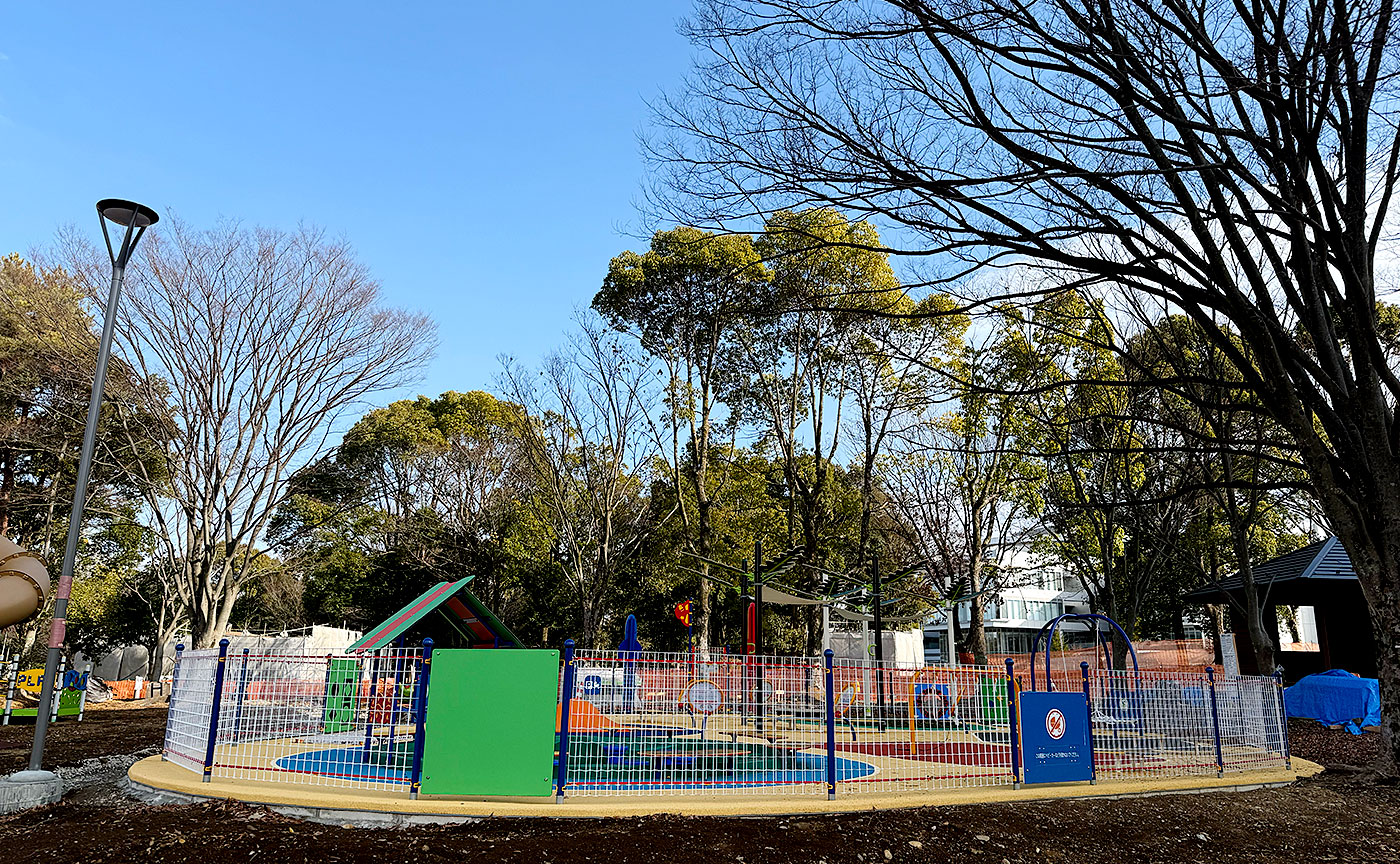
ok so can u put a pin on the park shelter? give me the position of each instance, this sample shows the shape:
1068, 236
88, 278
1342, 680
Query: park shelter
1319, 575
449, 614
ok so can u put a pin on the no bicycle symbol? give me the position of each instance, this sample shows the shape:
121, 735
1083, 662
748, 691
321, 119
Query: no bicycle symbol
1055, 723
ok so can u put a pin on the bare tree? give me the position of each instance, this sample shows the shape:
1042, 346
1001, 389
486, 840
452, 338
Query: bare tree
1245, 462
894, 376
585, 435
253, 342
1231, 162
964, 491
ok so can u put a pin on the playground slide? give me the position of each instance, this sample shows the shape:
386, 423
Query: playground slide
24, 584
584, 716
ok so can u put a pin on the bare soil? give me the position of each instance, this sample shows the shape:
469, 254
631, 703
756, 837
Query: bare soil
1339, 816
1333, 747
103, 732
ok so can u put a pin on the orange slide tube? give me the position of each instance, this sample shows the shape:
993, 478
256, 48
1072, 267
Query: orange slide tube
24, 584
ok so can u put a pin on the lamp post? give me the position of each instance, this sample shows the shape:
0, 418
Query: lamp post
135, 219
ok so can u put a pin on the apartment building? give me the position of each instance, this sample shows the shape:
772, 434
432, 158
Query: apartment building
1013, 616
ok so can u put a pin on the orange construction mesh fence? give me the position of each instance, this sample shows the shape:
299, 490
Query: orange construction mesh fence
1166, 655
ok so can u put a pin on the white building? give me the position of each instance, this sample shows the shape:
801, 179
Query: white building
1012, 616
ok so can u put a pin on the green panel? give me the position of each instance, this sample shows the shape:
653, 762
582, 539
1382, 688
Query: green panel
70, 703
342, 680
490, 727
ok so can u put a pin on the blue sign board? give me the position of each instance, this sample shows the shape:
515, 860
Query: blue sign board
1055, 744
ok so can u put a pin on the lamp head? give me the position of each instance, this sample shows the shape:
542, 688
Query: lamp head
135, 218
127, 214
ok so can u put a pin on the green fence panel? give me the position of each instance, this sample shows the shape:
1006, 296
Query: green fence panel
490, 726
991, 697
70, 704
342, 682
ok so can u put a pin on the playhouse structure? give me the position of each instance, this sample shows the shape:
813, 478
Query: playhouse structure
439, 707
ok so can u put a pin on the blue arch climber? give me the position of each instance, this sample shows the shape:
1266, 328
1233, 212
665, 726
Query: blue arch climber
1047, 633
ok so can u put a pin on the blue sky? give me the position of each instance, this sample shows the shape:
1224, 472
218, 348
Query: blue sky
482, 158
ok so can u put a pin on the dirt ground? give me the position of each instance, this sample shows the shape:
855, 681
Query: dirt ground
103, 732
1339, 816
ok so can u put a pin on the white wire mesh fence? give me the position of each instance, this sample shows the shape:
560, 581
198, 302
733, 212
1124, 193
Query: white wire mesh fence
316, 720
1151, 724
191, 705
1174, 724
1253, 727
923, 728
658, 724
666, 724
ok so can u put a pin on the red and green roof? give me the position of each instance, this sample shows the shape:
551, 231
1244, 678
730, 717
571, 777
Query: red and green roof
459, 606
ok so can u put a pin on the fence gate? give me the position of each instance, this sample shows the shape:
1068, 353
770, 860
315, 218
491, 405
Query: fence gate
490, 724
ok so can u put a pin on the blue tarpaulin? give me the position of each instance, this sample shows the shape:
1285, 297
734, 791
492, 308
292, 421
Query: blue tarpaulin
1335, 697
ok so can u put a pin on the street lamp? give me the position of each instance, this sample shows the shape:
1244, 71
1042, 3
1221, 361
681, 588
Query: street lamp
135, 219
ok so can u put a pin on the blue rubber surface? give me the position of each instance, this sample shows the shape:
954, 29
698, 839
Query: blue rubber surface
813, 771
348, 763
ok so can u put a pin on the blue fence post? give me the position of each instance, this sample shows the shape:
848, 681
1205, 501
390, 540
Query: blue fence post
830, 727
1089, 711
1012, 721
1215, 723
214, 711
174, 687
566, 696
1283, 723
238, 706
425, 668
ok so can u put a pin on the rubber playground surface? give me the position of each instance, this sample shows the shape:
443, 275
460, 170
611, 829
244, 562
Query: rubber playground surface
345, 805
646, 753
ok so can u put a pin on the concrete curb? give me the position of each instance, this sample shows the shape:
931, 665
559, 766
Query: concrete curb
365, 818
324, 815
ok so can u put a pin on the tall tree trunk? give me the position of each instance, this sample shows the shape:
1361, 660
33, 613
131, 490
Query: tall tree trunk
702, 547
7, 488
811, 540
974, 636
1376, 559
867, 496
1215, 616
1260, 640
